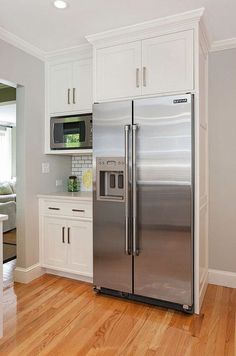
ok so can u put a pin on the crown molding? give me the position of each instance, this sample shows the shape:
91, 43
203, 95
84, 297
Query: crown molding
21, 44
143, 29
204, 38
84, 49
12, 39
223, 45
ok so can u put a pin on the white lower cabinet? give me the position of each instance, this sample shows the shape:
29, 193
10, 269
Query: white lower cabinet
66, 242
54, 244
80, 247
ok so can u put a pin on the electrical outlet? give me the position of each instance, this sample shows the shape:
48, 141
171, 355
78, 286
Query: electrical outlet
45, 167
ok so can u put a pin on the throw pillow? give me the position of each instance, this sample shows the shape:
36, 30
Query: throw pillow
5, 189
13, 186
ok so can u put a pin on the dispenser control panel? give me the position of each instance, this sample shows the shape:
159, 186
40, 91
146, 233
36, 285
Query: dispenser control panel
110, 178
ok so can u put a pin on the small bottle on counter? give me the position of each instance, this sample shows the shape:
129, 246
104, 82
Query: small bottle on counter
73, 184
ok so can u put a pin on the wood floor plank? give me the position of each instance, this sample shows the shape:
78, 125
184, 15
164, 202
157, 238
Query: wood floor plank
55, 316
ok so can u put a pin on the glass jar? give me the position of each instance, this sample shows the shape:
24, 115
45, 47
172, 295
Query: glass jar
73, 184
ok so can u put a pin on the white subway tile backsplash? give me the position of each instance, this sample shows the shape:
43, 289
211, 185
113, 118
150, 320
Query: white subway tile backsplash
80, 162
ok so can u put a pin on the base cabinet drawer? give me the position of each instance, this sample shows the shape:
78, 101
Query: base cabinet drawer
70, 209
67, 245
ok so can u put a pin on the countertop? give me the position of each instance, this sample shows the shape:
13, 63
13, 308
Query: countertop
80, 196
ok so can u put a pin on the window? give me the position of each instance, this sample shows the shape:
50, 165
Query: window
5, 153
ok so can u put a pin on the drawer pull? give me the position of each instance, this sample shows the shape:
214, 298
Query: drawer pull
50, 208
78, 210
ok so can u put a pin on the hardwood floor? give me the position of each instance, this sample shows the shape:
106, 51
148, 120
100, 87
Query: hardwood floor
58, 316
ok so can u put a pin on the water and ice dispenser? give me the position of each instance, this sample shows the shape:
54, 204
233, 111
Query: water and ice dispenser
110, 178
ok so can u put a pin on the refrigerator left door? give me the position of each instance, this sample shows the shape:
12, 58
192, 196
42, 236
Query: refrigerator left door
112, 265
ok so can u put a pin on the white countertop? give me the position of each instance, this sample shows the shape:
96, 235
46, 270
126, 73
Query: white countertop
82, 196
3, 217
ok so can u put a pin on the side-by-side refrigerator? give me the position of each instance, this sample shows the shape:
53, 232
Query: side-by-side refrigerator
143, 200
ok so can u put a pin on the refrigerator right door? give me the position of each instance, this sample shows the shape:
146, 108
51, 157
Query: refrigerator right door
163, 266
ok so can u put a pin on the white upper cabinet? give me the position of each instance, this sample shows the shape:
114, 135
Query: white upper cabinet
82, 82
167, 63
162, 64
118, 71
70, 87
60, 86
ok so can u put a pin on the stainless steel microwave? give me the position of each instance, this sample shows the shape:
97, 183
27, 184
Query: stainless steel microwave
71, 132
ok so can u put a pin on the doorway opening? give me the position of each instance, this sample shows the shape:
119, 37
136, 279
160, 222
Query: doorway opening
8, 179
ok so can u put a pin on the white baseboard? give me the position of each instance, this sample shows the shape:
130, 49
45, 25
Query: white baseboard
26, 275
222, 278
75, 276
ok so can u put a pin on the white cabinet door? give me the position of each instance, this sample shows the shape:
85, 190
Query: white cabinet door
118, 71
60, 87
167, 63
54, 242
82, 93
80, 247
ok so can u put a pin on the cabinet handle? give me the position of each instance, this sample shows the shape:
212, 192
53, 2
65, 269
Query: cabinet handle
73, 95
137, 77
68, 235
144, 76
50, 208
68, 96
63, 234
78, 210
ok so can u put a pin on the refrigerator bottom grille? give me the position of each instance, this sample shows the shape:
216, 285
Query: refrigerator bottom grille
147, 300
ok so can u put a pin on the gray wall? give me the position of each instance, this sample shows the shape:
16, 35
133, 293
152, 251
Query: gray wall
13, 151
28, 72
222, 160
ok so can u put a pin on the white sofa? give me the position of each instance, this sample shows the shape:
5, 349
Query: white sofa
8, 204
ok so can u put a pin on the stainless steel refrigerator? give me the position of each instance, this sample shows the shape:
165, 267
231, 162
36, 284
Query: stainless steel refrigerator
143, 200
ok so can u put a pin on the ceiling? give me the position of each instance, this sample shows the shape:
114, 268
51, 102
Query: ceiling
49, 29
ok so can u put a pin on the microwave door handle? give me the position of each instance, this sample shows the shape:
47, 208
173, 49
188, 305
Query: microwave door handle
52, 145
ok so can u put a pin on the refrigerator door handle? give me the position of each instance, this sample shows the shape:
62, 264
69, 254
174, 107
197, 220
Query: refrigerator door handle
134, 191
126, 186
